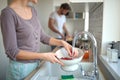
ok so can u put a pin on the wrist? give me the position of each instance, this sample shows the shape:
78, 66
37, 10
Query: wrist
41, 56
62, 42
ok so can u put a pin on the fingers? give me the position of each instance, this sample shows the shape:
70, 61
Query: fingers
56, 60
74, 53
69, 52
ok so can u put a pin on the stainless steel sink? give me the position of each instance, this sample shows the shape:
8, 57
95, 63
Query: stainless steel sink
49, 71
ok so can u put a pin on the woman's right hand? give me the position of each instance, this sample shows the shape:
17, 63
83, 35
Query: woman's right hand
52, 58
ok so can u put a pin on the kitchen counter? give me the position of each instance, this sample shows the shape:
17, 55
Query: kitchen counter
114, 68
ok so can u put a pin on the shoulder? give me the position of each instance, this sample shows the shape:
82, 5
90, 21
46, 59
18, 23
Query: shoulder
7, 12
53, 13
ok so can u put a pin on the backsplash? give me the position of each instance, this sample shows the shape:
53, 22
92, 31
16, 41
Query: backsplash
95, 26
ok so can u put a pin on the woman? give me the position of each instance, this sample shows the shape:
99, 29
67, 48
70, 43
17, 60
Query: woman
22, 34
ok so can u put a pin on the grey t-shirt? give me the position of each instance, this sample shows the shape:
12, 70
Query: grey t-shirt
20, 34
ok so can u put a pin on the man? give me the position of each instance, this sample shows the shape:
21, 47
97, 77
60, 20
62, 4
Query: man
57, 22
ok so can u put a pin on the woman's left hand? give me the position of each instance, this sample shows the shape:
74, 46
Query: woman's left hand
69, 49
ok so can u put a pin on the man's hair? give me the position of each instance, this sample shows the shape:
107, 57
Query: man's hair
65, 6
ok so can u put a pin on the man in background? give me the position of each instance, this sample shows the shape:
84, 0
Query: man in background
57, 22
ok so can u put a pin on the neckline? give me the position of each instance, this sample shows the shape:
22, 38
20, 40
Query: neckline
20, 16
59, 15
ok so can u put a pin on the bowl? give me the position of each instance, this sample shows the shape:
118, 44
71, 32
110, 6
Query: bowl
70, 64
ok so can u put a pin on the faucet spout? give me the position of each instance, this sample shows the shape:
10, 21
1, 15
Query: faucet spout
94, 49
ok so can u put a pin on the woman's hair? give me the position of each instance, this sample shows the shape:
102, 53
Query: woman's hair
65, 6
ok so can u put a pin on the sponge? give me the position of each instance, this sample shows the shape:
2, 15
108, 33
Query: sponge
67, 77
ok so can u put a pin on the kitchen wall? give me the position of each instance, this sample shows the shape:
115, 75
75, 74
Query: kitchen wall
75, 25
106, 29
3, 57
111, 23
96, 24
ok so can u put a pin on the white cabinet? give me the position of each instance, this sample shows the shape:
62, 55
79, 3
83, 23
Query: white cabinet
75, 15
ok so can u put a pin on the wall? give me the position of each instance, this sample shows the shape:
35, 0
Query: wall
96, 24
111, 22
74, 26
3, 58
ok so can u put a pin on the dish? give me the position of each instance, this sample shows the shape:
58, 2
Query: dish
70, 64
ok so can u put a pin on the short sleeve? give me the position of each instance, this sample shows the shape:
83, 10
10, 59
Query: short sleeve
52, 15
8, 30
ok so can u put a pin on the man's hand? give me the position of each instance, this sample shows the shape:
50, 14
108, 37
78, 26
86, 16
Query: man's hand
63, 37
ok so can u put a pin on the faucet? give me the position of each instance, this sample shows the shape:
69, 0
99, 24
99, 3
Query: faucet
94, 73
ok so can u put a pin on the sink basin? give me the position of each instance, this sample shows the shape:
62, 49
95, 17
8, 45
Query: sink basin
49, 71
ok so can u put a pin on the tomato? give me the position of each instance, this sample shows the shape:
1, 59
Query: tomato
86, 55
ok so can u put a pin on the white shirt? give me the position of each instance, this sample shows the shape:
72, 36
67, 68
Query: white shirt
59, 22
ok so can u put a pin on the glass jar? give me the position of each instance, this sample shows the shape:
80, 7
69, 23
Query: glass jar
108, 54
114, 55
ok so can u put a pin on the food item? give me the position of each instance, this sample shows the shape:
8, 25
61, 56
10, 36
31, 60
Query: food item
69, 39
86, 55
66, 58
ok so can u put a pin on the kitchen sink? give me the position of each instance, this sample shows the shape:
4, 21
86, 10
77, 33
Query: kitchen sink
49, 71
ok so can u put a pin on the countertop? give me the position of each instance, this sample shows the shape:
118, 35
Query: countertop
114, 68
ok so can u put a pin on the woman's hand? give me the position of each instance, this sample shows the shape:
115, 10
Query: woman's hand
75, 52
52, 58
69, 48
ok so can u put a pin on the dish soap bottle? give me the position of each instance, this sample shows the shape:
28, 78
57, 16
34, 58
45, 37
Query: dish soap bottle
114, 53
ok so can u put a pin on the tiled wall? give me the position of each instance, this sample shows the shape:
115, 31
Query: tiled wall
96, 21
